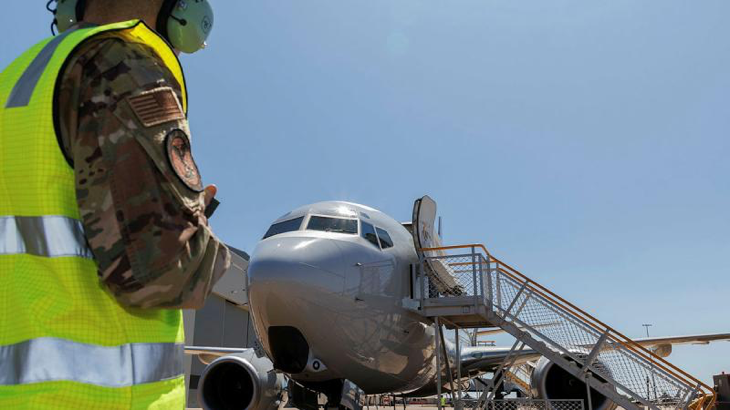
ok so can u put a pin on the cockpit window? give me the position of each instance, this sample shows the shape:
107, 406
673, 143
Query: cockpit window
385, 241
327, 224
367, 231
285, 226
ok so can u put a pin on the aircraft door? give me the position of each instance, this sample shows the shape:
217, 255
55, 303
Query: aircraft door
425, 236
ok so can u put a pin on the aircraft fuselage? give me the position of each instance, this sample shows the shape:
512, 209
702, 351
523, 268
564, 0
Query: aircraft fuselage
343, 289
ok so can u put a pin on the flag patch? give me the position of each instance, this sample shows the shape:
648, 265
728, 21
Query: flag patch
156, 106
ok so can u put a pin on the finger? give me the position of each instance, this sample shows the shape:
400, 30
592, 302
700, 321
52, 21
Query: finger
210, 192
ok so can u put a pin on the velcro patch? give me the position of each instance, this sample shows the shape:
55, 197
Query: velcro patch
156, 106
181, 159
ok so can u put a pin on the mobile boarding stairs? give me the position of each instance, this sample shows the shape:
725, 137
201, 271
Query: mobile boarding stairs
466, 287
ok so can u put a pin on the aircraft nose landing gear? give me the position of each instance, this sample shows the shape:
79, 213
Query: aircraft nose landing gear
341, 395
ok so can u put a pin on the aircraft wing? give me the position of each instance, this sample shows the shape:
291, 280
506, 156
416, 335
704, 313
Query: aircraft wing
662, 346
215, 351
208, 354
487, 358
476, 361
702, 339
482, 359
497, 330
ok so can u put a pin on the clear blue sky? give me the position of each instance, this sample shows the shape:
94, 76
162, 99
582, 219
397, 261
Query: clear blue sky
585, 142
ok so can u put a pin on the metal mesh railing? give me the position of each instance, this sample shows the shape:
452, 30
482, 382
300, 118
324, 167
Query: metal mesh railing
532, 404
453, 277
631, 369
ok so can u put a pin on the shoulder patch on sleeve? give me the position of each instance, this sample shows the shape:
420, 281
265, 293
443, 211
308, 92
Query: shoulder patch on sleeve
181, 159
156, 106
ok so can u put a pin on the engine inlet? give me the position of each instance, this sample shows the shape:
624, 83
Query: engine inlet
228, 383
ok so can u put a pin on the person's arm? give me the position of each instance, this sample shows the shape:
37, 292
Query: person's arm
139, 191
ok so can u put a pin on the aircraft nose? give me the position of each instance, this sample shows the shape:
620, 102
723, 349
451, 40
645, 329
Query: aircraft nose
293, 284
296, 264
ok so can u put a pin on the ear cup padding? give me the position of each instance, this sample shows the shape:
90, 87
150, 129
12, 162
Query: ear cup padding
164, 16
80, 10
68, 13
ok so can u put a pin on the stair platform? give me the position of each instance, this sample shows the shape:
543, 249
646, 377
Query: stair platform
459, 313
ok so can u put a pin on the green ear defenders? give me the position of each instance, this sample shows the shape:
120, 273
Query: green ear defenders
67, 13
185, 24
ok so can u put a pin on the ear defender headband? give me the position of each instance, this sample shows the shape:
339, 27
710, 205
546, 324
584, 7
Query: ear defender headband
185, 24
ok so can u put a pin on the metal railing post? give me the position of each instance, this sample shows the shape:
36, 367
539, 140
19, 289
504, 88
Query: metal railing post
497, 279
489, 285
517, 297
474, 278
522, 305
482, 289
588, 390
458, 365
437, 326
595, 351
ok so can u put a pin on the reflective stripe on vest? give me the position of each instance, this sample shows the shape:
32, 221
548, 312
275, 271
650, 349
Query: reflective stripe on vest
49, 359
23, 89
49, 236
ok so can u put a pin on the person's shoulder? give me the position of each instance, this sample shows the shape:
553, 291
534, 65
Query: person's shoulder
112, 52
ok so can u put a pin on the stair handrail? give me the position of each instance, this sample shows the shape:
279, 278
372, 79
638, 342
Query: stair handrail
596, 324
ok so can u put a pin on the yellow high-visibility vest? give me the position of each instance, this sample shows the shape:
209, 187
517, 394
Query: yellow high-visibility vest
65, 343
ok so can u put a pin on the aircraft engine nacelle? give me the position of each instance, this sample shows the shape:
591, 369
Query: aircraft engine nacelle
550, 381
662, 350
240, 381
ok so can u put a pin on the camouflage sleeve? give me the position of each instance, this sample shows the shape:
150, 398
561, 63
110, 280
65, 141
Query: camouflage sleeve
138, 189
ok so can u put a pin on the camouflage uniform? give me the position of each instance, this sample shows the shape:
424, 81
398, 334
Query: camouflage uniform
138, 190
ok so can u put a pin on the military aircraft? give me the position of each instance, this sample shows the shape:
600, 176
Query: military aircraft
330, 293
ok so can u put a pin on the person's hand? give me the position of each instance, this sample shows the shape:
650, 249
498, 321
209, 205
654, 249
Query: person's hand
209, 194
